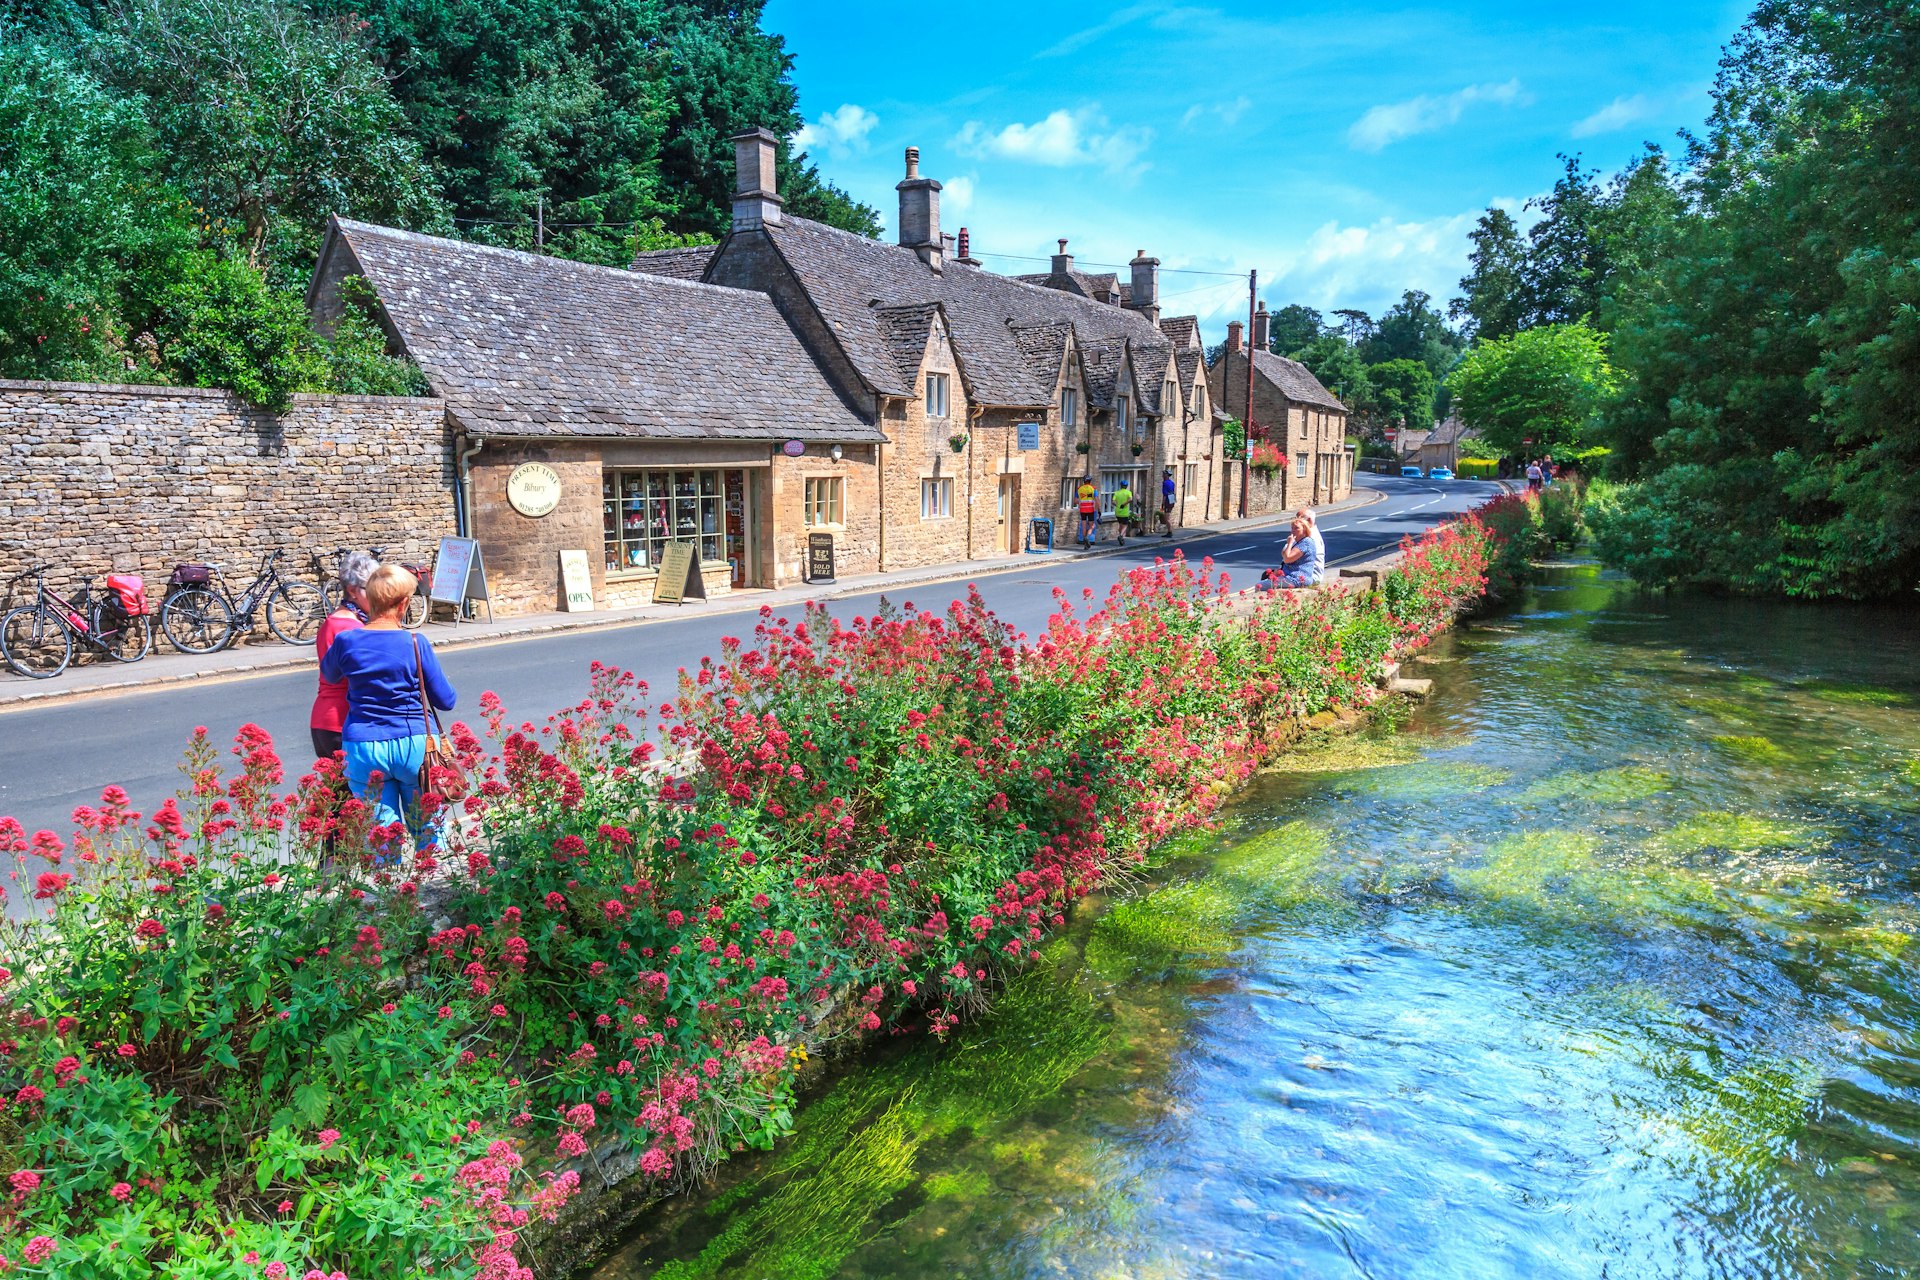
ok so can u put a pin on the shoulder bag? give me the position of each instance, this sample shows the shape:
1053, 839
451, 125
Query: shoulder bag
439, 757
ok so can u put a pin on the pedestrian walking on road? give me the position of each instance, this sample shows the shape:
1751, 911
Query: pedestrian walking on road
1535, 475
1123, 509
1167, 494
330, 703
389, 673
1089, 512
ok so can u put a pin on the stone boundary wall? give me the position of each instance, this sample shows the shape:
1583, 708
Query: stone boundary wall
96, 477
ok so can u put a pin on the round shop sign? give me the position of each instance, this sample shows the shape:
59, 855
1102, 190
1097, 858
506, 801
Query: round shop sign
794, 448
533, 489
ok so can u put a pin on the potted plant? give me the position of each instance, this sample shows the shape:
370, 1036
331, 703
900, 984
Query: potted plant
1083, 447
1138, 449
1267, 458
957, 441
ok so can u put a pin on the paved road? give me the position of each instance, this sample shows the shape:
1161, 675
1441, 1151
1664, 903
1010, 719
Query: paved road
53, 758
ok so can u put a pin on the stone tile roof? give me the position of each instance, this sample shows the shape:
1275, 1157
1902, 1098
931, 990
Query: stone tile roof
524, 345
1295, 381
1101, 287
1182, 331
1045, 346
906, 330
849, 277
1191, 363
680, 264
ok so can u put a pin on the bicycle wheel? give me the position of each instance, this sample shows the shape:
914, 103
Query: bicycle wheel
331, 595
418, 607
295, 611
33, 644
197, 620
122, 638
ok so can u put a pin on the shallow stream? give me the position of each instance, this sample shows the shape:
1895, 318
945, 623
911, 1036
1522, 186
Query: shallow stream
1602, 967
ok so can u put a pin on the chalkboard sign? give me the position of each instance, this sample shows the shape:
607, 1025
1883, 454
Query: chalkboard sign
1040, 536
1028, 433
679, 576
819, 557
459, 575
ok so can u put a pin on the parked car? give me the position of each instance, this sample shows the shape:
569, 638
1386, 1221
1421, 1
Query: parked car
1440, 473
1410, 473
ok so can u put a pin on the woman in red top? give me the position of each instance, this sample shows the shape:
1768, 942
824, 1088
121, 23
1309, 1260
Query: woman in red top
330, 704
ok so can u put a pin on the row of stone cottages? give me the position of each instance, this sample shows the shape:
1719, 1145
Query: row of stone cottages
792, 380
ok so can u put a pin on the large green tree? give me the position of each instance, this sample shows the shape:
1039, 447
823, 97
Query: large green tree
1293, 328
1402, 394
1537, 392
1490, 301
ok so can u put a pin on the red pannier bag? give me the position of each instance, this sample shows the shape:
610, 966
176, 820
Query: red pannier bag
132, 592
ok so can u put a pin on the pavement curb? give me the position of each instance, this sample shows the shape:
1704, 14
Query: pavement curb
302, 658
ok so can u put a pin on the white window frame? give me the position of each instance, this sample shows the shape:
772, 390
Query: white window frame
936, 497
1170, 402
1123, 416
822, 502
1190, 475
1110, 480
1069, 407
939, 396
1299, 466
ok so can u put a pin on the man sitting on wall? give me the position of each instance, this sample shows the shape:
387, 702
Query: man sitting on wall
1302, 560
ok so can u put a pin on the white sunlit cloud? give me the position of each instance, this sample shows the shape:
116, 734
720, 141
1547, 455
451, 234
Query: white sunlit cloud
956, 194
1060, 139
845, 128
1228, 113
1390, 122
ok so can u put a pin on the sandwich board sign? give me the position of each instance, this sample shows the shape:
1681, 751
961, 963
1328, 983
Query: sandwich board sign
819, 557
459, 575
679, 577
576, 582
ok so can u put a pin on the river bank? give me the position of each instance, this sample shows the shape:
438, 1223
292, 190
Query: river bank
865, 831
1599, 967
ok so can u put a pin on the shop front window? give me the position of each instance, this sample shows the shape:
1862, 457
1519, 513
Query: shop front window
643, 511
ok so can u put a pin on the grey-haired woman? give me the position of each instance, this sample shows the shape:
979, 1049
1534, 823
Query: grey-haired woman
330, 704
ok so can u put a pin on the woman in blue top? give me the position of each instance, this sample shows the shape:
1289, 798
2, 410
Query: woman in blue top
386, 728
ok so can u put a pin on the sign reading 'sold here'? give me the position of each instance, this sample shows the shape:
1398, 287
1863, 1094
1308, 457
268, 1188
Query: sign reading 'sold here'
533, 489
819, 557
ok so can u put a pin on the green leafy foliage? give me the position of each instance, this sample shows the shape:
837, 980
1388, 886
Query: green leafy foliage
1537, 393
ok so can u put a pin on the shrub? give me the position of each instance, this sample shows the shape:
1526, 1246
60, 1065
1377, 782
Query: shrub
857, 830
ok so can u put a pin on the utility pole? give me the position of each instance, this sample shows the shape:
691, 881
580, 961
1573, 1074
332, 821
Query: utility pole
1246, 419
540, 224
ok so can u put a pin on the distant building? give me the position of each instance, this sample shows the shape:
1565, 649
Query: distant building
1305, 421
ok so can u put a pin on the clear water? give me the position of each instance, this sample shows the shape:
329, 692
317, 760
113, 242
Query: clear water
1602, 967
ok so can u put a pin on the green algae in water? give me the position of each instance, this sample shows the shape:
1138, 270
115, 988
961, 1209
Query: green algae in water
1747, 1119
1560, 876
1350, 752
1626, 784
1425, 780
1859, 695
855, 1150
1752, 747
970, 1184
1740, 832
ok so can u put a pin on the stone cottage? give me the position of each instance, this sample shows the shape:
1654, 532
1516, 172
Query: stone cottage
1305, 421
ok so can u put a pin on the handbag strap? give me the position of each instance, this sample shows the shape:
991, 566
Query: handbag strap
427, 709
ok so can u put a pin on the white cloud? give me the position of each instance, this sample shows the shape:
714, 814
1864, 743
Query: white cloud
1229, 113
956, 195
844, 128
1617, 114
1078, 40
1391, 122
1062, 138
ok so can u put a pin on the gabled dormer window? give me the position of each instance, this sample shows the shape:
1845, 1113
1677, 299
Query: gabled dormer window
937, 401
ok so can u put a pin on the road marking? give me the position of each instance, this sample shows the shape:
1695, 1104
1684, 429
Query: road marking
1227, 551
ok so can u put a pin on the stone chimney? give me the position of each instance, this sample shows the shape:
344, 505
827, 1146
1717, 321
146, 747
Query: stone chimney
1261, 328
1062, 261
756, 204
1146, 285
966, 250
920, 212
1234, 329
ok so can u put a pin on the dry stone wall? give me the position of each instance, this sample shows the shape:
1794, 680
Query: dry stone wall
135, 479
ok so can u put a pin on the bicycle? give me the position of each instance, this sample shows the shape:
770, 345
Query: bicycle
418, 605
199, 615
37, 640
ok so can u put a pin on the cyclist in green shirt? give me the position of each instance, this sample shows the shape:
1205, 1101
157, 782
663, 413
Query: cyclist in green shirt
1123, 509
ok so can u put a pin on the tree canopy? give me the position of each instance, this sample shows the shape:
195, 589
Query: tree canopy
1538, 392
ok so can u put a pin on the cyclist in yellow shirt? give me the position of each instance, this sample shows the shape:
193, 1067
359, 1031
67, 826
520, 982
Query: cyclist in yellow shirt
1123, 509
1089, 512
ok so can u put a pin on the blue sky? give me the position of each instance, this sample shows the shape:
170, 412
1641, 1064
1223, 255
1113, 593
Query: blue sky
1343, 150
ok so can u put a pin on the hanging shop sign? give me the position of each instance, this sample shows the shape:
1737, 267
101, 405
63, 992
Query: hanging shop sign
533, 489
1028, 433
794, 448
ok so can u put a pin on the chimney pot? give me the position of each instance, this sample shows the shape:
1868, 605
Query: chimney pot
1234, 330
1261, 329
1062, 261
920, 213
756, 202
1146, 285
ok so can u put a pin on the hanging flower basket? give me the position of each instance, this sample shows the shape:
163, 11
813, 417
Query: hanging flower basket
1267, 458
1083, 447
957, 441
1138, 450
